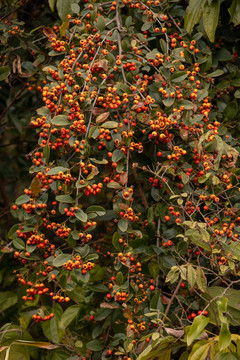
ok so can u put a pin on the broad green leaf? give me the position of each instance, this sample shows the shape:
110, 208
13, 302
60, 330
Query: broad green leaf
201, 280
56, 170
173, 275
224, 337
153, 267
46, 152
179, 76
119, 278
234, 12
230, 110
113, 185
65, 199
75, 8
60, 120
99, 210
12, 232
51, 4
197, 327
216, 73
123, 225
201, 351
117, 155
51, 328
191, 276
116, 244
100, 23
23, 199
193, 14
150, 215
210, 18
80, 215
95, 345
64, 8
98, 287
110, 125
156, 302
7, 299
68, 316
61, 259
237, 94
4, 72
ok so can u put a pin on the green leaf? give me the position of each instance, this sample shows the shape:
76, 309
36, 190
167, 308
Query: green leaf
216, 73
236, 82
23, 199
75, 8
46, 152
19, 244
223, 55
61, 259
146, 26
117, 155
202, 350
123, 225
230, 110
201, 280
7, 299
237, 94
4, 72
68, 316
56, 170
116, 244
173, 275
191, 276
65, 199
168, 101
234, 12
153, 267
100, 23
163, 45
99, 210
60, 120
80, 215
119, 278
51, 328
113, 185
195, 236
197, 327
224, 337
103, 161
98, 288
51, 4
179, 76
12, 231
210, 18
156, 302
110, 125
64, 8
150, 215
193, 14
95, 345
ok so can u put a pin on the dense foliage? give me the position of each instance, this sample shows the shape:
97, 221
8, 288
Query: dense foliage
126, 241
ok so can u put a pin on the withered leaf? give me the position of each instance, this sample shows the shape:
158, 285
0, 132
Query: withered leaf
36, 186
49, 32
123, 178
102, 117
108, 306
165, 299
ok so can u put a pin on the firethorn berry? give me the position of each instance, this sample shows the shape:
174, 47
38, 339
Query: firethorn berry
132, 173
